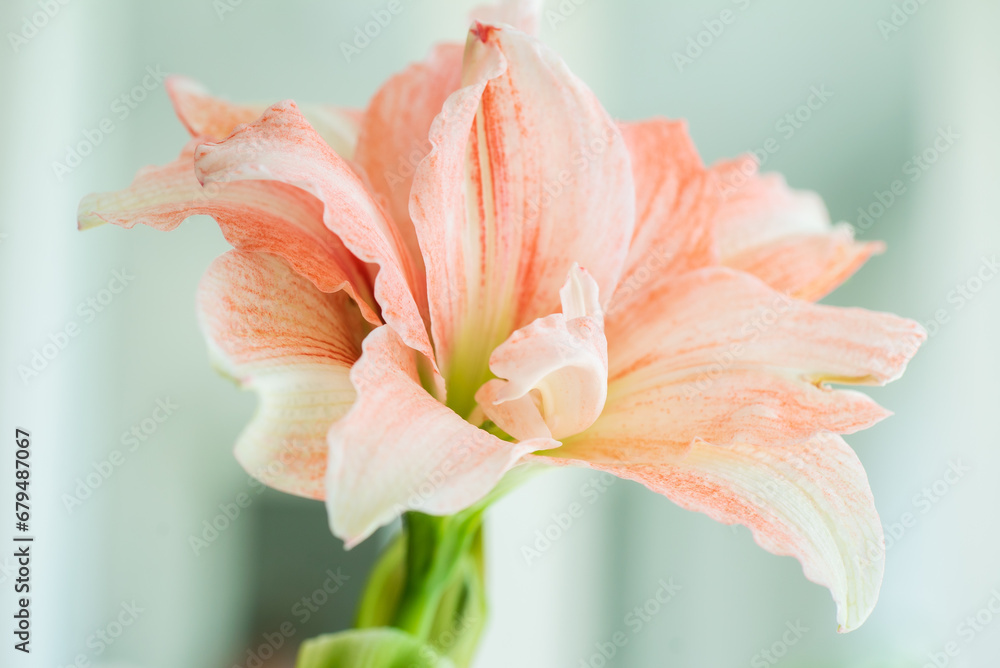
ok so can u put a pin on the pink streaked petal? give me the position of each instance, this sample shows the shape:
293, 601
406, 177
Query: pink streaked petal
282, 147
394, 128
688, 323
652, 418
273, 332
400, 449
338, 126
783, 236
527, 176
215, 118
807, 266
525, 15
676, 201
553, 374
521, 417
717, 356
811, 501
204, 115
253, 216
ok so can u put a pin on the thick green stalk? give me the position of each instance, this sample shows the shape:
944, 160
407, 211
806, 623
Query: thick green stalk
435, 550
430, 582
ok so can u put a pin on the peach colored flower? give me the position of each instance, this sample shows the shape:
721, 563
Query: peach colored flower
482, 269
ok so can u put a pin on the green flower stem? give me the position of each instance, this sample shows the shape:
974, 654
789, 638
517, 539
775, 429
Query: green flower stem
435, 549
430, 585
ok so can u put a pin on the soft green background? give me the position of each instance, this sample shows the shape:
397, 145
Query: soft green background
129, 541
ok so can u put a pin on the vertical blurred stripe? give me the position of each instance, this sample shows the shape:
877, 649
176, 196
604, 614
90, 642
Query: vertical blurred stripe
43, 275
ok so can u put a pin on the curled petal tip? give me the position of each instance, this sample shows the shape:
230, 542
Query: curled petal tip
525, 15
482, 31
88, 220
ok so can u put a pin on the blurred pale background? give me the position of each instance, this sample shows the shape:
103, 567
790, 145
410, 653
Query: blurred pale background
892, 92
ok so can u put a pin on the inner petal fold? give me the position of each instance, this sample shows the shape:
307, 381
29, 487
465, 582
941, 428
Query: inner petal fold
552, 374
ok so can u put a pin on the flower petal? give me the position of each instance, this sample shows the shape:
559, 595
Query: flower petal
783, 236
810, 501
717, 356
554, 372
381, 646
394, 131
527, 176
525, 15
204, 115
282, 147
401, 449
676, 201
253, 216
215, 118
274, 332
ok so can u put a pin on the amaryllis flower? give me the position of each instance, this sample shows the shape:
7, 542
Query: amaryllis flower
483, 270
